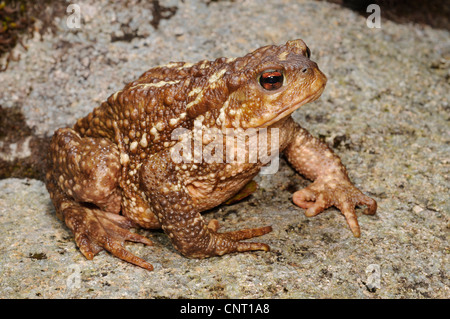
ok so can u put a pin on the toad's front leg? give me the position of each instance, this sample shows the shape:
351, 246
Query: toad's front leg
182, 222
331, 187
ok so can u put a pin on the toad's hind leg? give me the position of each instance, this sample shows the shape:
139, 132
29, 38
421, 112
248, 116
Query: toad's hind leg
82, 180
182, 222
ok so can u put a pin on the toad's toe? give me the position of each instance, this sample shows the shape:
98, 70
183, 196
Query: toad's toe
95, 230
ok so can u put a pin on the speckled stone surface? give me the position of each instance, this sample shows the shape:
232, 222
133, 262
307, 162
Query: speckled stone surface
384, 111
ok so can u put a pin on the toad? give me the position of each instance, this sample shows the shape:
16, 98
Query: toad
121, 166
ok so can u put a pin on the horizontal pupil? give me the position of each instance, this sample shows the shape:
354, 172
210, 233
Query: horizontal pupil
273, 79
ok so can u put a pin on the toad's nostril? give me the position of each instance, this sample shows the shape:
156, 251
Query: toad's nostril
304, 70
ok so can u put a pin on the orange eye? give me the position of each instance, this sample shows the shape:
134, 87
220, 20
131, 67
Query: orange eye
308, 52
271, 80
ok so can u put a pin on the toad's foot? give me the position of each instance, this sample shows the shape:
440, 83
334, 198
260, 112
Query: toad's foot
340, 193
208, 242
95, 230
229, 242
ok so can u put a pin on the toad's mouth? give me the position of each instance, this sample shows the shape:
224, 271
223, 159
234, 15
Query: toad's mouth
320, 82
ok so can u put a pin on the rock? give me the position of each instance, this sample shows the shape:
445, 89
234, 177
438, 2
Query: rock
385, 110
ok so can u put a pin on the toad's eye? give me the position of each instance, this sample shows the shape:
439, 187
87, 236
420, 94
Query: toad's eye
271, 79
308, 52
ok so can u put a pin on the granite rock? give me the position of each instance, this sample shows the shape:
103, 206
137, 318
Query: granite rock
384, 111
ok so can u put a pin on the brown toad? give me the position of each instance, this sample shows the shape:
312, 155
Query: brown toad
121, 167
